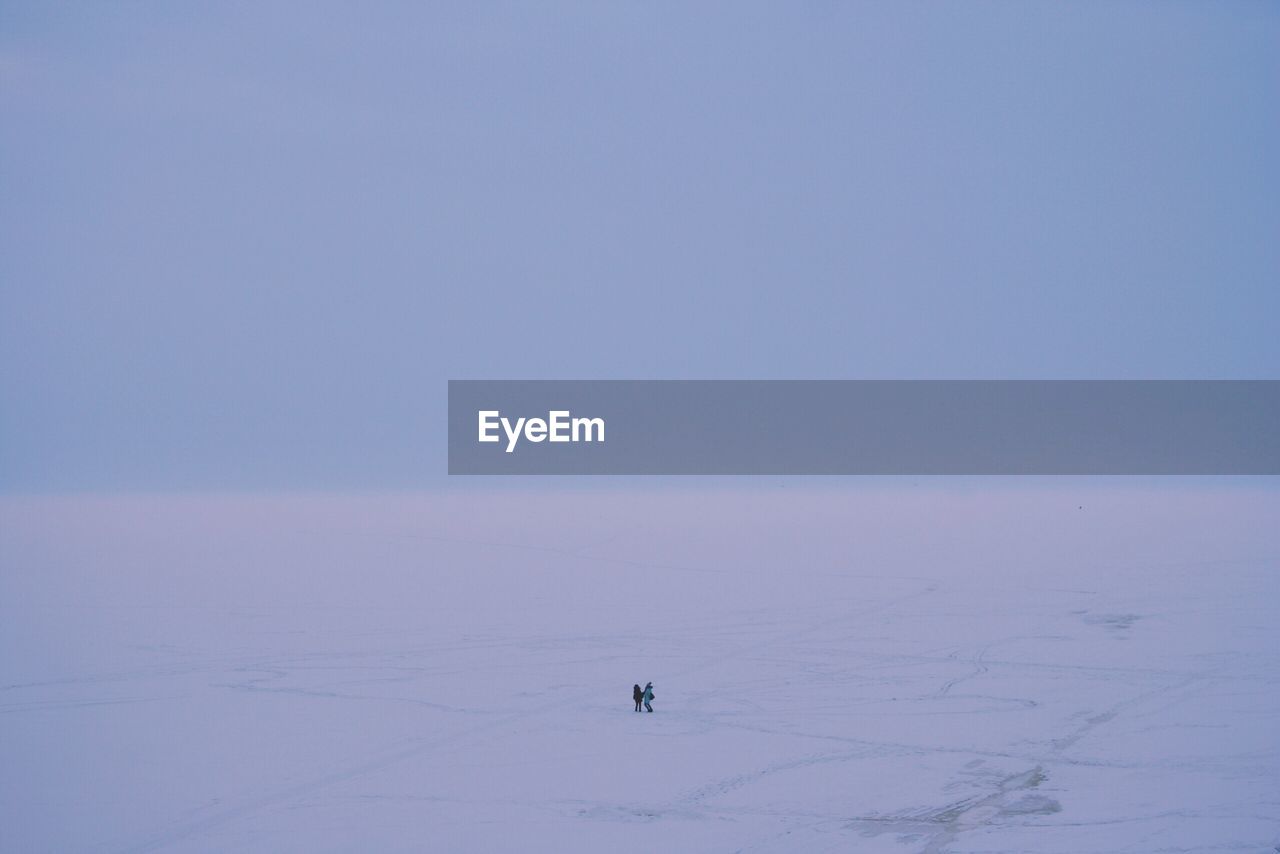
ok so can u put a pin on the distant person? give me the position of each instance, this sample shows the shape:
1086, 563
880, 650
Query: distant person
637, 694
648, 696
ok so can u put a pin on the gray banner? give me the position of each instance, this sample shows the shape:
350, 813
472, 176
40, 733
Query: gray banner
716, 427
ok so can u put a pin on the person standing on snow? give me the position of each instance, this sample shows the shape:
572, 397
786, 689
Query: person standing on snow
637, 694
648, 696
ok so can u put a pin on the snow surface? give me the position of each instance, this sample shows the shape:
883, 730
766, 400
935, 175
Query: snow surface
1083, 667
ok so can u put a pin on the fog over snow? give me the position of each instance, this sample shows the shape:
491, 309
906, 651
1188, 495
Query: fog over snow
1061, 668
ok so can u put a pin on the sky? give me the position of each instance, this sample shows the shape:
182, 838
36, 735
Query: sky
244, 246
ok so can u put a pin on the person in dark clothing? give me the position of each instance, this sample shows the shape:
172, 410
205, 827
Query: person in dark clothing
648, 697
637, 695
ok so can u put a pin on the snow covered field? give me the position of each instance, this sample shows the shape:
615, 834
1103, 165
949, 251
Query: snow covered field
1073, 667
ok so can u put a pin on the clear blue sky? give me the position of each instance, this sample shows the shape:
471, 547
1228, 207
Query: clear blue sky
245, 245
